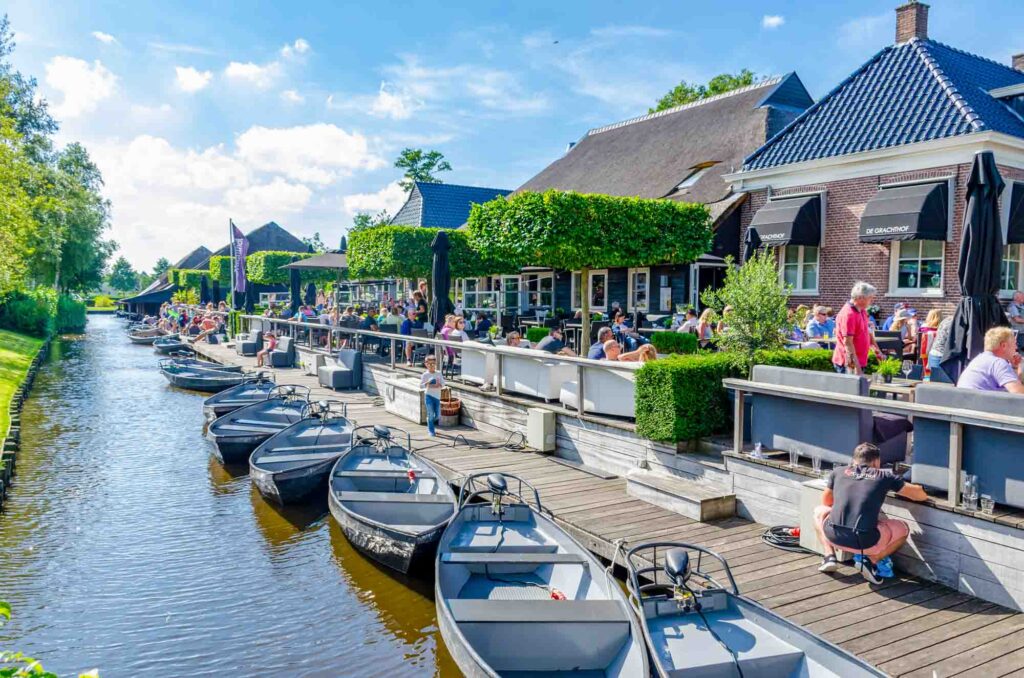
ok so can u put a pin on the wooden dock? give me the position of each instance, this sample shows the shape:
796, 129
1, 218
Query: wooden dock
905, 627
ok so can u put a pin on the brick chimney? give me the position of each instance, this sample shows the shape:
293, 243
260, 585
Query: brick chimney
1017, 61
911, 21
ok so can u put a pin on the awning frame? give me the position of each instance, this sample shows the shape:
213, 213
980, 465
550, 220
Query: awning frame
822, 196
950, 181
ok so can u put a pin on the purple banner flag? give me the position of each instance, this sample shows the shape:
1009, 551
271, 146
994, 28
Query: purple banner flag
239, 250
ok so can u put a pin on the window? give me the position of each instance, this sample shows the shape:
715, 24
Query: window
918, 265
510, 292
697, 171
800, 268
1009, 275
577, 290
539, 289
597, 284
639, 289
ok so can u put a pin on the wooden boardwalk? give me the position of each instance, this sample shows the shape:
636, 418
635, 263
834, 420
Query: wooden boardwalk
906, 627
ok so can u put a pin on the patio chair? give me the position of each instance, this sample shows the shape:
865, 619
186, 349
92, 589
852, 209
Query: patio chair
346, 373
284, 354
249, 344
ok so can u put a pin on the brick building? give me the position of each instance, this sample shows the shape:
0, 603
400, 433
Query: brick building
869, 182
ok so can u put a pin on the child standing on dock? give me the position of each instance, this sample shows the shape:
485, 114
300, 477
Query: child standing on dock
433, 382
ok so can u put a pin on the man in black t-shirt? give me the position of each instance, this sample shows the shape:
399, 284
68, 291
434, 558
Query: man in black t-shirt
849, 517
553, 343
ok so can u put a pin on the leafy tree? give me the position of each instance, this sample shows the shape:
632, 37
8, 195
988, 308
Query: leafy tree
363, 221
315, 242
420, 166
685, 93
122, 276
160, 267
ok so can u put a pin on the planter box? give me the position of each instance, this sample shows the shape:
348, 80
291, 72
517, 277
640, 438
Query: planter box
402, 396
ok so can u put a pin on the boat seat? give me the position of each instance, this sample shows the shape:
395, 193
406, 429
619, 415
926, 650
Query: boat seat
269, 459
383, 474
245, 429
479, 558
396, 497
256, 422
470, 611
295, 448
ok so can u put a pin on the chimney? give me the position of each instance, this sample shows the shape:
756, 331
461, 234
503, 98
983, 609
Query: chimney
911, 21
1017, 61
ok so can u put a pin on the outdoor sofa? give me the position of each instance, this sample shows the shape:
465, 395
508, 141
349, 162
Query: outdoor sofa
249, 344
534, 373
347, 372
284, 354
605, 390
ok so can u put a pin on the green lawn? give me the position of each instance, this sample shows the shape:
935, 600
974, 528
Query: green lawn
16, 351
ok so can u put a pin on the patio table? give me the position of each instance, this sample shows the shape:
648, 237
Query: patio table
899, 389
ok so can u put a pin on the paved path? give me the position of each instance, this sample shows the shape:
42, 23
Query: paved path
906, 627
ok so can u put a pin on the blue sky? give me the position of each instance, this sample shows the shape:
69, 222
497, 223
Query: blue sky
294, 112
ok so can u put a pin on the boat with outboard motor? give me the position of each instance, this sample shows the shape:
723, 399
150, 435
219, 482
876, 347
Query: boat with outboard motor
516, 595
188, 359
256, 388
172, 343
291, 465
695, 626
391, 503
236, 434
145, 335
199, 378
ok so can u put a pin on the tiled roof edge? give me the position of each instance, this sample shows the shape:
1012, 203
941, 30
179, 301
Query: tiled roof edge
920, 48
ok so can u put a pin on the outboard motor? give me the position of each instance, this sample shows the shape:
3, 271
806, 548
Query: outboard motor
677, 568
499, 488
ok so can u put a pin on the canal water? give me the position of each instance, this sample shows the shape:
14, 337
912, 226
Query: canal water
126, 547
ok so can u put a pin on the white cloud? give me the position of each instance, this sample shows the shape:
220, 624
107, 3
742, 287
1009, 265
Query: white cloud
393, 104
177, 47
292, 97
190, 79
390, 198
256, 75
105, 38
865, 32
82, 86
502, 91
298, 47
277, 196
772, 21
631, 32
318, 153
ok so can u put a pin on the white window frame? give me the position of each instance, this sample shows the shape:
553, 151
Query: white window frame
1008, 294
576, 280
590, 289
894, 268
629, 289
525, 291
800, 292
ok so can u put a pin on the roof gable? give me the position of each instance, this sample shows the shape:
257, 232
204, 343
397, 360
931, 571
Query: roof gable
269, 237
442, 205
915, 91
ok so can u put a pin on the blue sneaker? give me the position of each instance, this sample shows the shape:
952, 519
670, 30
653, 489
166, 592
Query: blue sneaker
883, 568
857, 560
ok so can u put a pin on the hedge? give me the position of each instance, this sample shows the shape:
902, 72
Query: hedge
535, 334
71, 315
404, 252
42, 312
220, 269
264, 268
190, 278
674, 342
682, 398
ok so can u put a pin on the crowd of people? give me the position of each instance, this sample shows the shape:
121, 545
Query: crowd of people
198, 324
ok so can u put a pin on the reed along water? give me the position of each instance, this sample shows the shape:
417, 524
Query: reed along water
126, 547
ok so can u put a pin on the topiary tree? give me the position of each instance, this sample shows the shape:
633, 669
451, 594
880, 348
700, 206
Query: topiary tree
575, 231
759, 302
190, 278
220, 269
404, 252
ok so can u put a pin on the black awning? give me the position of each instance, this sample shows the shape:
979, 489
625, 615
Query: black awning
157, 296
1015, 222
789, 221
916, 212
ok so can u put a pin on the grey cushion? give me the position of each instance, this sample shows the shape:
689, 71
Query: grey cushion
249, 344
336, 376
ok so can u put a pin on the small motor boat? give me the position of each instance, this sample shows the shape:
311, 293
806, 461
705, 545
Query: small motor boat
172, 343
254, 389
391, 504
291, 465
145, 335
198, 378
238, 433
515, 594
188, 359
695, 626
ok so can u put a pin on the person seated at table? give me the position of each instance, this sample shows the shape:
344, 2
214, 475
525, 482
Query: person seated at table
270, 345
513, 340
483, 325
849, 516
795, 333
410, 323
705, 327
689, 326
998, 368
222, 307
613, 352
820, 325
596, 351
207, 326
553, 343
623, 326
905, 323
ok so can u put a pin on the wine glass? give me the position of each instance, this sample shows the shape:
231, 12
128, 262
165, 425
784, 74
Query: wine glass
908, 367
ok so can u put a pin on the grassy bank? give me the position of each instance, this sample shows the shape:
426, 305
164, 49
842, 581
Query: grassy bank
16, 352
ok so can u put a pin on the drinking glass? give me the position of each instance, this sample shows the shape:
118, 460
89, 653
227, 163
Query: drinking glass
794, 458
908, 367
816, 464
988, 504
970, 492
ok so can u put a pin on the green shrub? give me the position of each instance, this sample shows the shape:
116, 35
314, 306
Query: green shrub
674, 342
191, 278
535, 334
70, 314
816, 359
102, 301
30, 312
388, 251
220, 269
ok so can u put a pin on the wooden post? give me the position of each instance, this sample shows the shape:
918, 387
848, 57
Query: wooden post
737, 418
394, 346
579, 388
956, 449
498, 368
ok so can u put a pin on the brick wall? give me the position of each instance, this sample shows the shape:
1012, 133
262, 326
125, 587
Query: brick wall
845, 260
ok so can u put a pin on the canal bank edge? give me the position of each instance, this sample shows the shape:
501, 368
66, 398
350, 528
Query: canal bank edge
10, 443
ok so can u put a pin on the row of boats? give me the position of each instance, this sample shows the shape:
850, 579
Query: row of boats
516, 595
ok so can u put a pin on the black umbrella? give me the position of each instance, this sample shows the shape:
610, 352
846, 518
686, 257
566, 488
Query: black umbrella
440, 284
250, 298
343, 245
751, 243
981, 253
296, 290
216, 291
238, 300
204, 291
310, 297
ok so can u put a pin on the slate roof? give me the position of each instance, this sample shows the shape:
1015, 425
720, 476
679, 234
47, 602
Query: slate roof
268, 237
442, 205
196, 257
649, 156
911, 92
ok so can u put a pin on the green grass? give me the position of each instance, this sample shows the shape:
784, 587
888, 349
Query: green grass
16, 352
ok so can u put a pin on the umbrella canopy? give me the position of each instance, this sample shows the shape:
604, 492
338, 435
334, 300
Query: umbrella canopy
328, 261
239, 300
296, 290
216, 292
250, 298
981, 251
440, 281
752, 243
310, 296
204, 291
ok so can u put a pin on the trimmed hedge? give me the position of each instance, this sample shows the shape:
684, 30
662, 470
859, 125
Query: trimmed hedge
674, 342
191, 278
220, 269
535, 334
682, 398
264, 268
404, 252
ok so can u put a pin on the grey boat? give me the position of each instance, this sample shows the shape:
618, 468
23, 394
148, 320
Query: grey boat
238, 433
695, 626
199, 378
517, 596
145, 336
391, 504
172, 343
188, 359
253, 390
288, 467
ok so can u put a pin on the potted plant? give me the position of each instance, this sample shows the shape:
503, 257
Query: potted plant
888, 368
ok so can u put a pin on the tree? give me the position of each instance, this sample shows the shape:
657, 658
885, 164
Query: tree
122, 276
160, 267
685, 93
315, 242
363, 221
420, 166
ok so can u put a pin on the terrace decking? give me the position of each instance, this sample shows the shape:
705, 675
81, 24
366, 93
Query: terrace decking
906, 627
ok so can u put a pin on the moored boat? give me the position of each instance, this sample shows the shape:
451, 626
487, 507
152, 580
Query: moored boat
236, 434
198, 378
288, 467
516, 595
188, 359
145, 335
696, 626
391, 504
172, 343
255, 389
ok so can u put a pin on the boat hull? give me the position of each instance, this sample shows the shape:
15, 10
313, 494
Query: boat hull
293, 486
464, 658
198, 383
236, 449
397, 550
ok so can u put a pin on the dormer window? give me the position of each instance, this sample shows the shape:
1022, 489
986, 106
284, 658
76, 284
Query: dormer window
696, 172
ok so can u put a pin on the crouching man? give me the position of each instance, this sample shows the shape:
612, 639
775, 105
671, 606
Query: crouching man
849, 519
